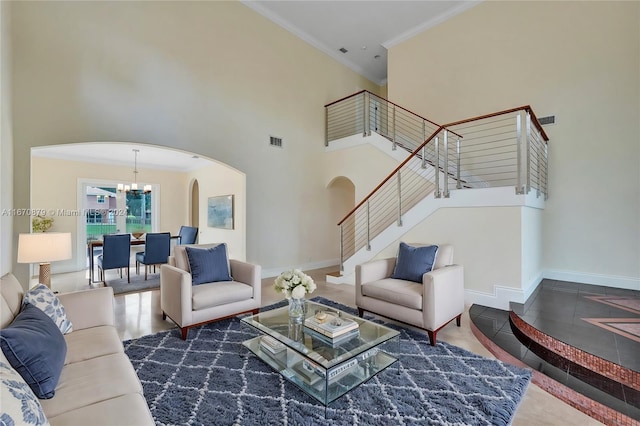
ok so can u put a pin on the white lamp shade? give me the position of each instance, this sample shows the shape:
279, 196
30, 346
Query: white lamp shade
44, 247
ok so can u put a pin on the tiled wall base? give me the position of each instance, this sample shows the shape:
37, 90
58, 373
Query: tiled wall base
604, 367
588, 406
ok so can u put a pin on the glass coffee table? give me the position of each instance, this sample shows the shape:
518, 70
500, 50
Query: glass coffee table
322, 367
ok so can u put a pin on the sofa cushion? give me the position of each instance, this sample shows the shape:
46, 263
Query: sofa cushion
208, 264
11, 302
44, 299
92, 343
398, 292
413, 262
92, 381
128, 409
219, 293
35, 347
19, 404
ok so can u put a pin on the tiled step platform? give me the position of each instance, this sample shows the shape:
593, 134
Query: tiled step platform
582, 341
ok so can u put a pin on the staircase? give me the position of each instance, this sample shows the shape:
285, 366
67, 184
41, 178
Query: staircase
476, 158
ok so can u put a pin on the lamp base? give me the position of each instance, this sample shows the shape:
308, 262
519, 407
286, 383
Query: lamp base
44, 276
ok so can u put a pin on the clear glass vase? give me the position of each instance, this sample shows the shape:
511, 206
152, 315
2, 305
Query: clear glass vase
296, 309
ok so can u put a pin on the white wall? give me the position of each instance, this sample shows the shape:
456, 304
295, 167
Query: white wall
578, 60
213, 78
486, 242
531, 249
54, 184
364, 165
6, 141
216, 180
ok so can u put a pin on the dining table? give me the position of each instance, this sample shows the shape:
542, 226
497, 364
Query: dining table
91, 245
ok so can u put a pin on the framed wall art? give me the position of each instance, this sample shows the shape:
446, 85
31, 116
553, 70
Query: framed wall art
220, 212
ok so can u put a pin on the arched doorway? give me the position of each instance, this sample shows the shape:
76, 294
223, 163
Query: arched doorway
194, 204
342, 196
102, 166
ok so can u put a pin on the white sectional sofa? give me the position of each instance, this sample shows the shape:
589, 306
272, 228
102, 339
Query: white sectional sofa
98, 385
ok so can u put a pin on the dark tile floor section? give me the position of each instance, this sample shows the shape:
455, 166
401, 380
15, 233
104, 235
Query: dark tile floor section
557, 308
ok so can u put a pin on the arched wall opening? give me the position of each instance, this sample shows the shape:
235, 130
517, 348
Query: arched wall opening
194, 204
343, 199
61, 174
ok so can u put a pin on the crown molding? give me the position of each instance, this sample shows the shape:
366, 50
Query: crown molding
430, 23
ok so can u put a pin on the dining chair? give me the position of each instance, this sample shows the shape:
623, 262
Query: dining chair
116, 252
156, 251
188, 234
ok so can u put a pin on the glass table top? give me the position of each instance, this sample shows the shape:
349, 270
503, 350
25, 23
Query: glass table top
324, 351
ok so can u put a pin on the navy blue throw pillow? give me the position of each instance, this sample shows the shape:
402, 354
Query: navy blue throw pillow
208, 265
33, 344
413, 262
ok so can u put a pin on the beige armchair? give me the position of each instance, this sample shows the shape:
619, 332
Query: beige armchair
429, 305
191, 305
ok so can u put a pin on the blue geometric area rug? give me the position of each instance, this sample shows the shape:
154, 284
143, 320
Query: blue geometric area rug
211, 379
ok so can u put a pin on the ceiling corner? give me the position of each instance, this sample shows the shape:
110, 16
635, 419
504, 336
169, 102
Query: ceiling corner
412, 32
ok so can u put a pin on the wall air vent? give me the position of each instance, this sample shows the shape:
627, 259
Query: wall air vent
548, 120
343, 50
275, 141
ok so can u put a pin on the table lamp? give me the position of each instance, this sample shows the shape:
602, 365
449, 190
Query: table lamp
43, 248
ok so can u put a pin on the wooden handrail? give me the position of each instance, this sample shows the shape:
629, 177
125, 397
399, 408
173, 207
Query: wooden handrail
506, 111
346, 97
406, 160
537, 124
440, 128
390, 102
403, 108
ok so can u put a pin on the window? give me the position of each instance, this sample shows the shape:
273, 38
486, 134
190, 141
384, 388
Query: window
139, 212
108, 211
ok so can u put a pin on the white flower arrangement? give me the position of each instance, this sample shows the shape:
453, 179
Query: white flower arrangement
294, 284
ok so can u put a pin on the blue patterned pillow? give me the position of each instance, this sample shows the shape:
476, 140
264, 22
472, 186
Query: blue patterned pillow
44, 299
208, 265
36, 348
414, 262
19, 405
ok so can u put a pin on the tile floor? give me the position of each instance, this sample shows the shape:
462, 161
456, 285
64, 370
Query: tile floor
138, 314
566, 311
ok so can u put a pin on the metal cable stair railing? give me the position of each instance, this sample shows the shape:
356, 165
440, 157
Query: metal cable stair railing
506, 148
364, 112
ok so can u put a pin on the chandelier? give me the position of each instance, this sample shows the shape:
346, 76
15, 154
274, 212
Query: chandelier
133, 188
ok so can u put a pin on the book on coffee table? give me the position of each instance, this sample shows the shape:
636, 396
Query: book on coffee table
271, 345
331, 325
306, 374
339, 340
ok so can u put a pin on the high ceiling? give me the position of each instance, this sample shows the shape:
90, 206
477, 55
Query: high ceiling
366, 29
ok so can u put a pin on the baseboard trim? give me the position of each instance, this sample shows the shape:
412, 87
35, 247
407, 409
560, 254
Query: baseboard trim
502, 295
532, 287
628, 283
500, 299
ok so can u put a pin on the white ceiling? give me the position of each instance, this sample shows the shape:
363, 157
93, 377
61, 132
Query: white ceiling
152, 157
364, 28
